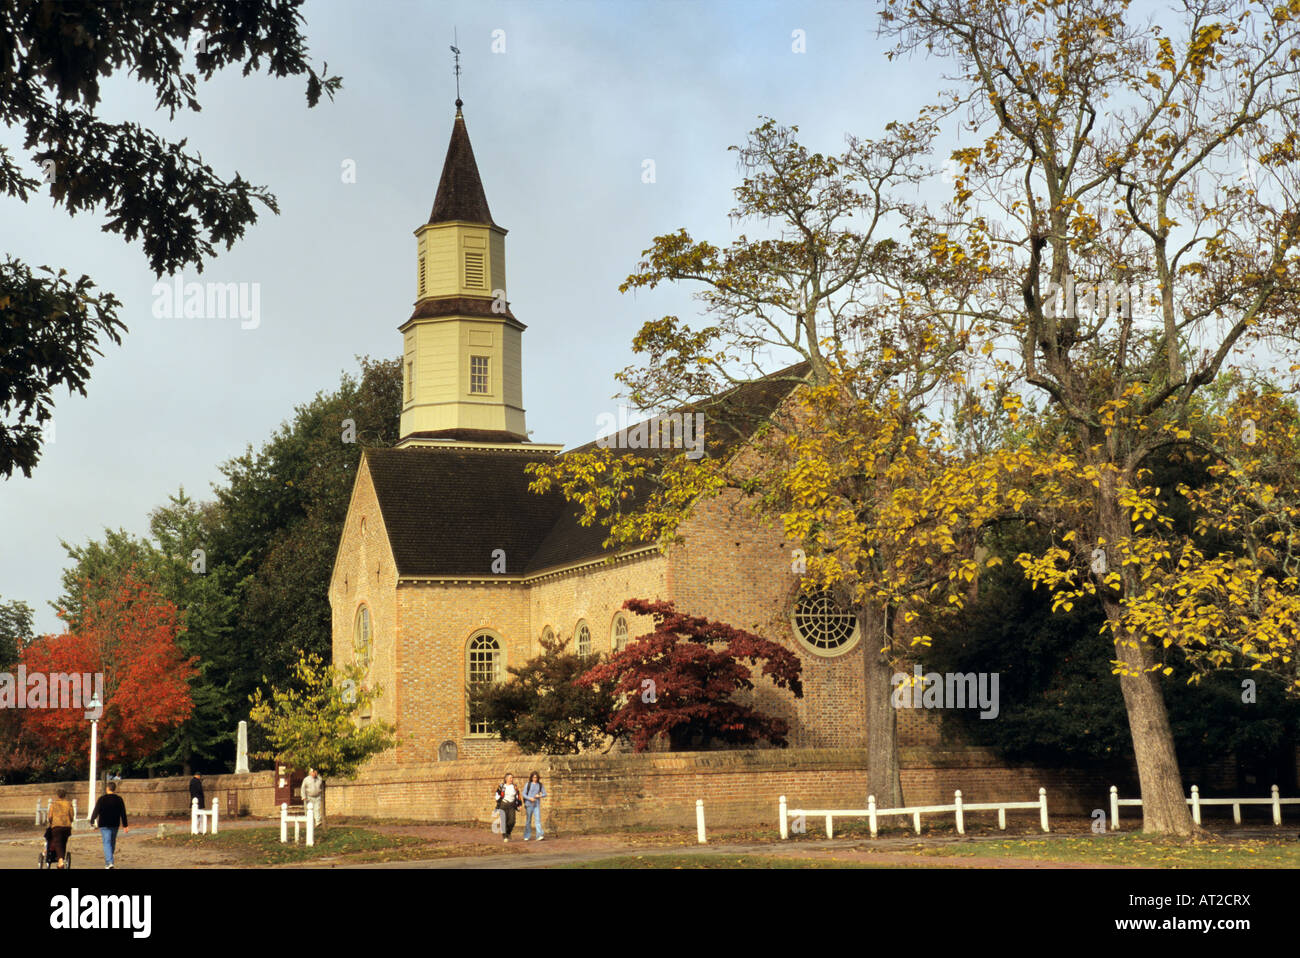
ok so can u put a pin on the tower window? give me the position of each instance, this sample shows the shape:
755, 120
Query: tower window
422, 276
478, 374
410, 380
475, 276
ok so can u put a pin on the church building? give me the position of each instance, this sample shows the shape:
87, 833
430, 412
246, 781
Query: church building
449, 569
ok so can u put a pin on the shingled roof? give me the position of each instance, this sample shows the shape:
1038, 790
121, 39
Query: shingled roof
460, 191
447, 509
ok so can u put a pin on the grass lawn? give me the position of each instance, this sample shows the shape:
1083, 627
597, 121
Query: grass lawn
711, 861
1133, 849
261, 846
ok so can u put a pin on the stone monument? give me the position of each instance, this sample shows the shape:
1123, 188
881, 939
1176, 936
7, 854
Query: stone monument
241, 750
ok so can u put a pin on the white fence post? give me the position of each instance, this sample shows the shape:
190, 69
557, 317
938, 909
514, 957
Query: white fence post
956, 800
871, 814
916, 822
1277, 808
699, 822
1042, 808
38, 811
781, 812
284, 822
74, 809
214, 816
830, 831
311, 822
194, 816
1002, 817
1196, 805
1114, 808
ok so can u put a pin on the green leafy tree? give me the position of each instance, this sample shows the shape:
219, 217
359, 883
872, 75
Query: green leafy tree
281, 515
205, 595
315, 722
542, 709
16, 630
99, 567
248, 572
52, 58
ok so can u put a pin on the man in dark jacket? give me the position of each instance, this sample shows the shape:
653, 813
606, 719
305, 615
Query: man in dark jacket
196, 790
110, 813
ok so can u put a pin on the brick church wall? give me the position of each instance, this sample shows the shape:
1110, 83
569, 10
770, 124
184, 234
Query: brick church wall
594, 594
436, 622
366, 573
734, 570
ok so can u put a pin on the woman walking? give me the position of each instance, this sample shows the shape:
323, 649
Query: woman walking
508, 802
60, 826
534, 792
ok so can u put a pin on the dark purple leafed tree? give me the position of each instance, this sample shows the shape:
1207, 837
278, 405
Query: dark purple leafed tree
679, 681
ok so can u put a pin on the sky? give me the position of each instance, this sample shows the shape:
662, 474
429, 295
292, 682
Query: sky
562, 120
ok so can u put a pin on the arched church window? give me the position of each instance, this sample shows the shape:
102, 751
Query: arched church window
361, 642
584, 639
483, 667
620, 632
548, 636
823, 625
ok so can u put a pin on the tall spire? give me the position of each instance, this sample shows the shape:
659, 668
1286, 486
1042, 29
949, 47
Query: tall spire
462, 352
460, 191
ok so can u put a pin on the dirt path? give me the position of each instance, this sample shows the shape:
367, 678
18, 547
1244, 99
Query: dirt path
475, 846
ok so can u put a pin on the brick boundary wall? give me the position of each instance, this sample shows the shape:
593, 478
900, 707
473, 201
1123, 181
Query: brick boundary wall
588, 792
150, 797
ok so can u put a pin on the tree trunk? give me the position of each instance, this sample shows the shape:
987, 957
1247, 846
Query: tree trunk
884, 777
1164, 805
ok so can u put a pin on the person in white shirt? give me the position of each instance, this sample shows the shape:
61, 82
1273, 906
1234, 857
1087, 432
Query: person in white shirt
508, 802
313, 793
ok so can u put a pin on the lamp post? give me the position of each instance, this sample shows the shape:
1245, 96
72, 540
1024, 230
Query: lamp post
94, 707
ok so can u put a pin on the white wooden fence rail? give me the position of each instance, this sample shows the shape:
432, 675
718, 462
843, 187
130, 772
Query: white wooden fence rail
306, 817
201, 817
1196, 802
873, 814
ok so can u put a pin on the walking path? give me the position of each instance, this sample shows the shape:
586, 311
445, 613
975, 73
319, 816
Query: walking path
20, 844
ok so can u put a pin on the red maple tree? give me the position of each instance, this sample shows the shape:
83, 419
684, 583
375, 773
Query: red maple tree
130, 637
678, 681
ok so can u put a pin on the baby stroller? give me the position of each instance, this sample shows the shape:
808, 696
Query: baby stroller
48, 858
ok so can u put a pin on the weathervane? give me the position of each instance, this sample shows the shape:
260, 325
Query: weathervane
455, 50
